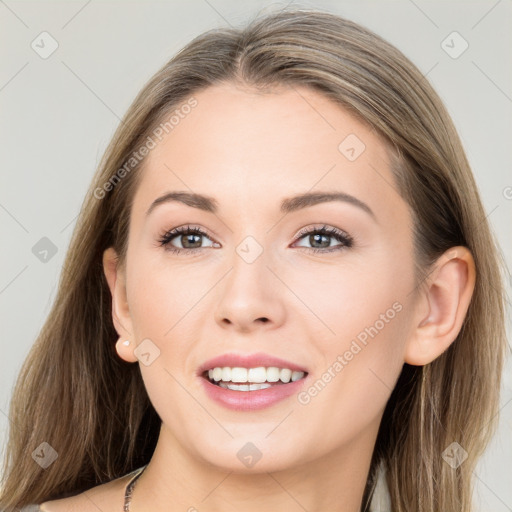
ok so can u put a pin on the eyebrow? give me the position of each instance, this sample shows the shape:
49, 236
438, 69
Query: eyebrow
288, 205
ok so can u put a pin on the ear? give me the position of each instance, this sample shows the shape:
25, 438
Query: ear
442, 306
116, 279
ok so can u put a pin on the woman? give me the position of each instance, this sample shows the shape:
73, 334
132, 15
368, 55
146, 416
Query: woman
282, 282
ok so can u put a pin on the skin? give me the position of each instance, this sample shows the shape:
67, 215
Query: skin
250, 150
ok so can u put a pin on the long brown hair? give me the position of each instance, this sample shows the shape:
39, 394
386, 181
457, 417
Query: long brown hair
75, 394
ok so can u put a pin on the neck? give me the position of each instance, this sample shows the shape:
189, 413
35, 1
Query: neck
176, 479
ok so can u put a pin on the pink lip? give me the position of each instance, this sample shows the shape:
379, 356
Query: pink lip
250, 400
248, 361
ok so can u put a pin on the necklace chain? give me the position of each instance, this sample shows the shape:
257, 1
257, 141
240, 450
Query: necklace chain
128, 493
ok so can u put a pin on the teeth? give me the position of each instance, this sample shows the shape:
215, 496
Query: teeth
273, 374
239, 374
244, 387
226, 373
215, 374
285, 375
258, 375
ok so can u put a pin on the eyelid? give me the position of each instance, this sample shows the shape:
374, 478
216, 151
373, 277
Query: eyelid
189, 227
331, 230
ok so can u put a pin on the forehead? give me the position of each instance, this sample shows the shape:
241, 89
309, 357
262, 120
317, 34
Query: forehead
248, 148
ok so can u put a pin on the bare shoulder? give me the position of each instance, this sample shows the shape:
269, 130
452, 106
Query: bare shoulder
107, 497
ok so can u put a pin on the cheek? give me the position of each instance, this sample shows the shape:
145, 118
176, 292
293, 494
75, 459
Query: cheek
365, 324
349, 392
168, 304
341, 300
161, 294
165, 307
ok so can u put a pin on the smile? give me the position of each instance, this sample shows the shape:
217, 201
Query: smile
251, 389
251, 379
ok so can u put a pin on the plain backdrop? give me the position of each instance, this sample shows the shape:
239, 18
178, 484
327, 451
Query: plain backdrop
59, 112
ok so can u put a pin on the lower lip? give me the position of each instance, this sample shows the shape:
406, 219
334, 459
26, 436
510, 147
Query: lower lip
251, 400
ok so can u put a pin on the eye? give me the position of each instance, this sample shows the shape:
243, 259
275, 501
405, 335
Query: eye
319, 239
188, 238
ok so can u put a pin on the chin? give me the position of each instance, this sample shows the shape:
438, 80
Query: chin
251, 454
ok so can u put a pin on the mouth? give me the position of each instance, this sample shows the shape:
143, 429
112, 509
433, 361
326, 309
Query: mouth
252, 379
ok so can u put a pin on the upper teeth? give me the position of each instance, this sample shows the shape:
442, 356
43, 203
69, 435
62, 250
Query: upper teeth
260, 374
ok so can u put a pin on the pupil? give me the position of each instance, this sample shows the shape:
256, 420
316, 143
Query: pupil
316, 239
189, 238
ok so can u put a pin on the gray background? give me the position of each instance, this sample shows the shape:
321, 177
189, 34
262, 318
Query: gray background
58, 114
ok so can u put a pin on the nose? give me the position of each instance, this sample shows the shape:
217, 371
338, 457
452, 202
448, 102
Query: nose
249, 297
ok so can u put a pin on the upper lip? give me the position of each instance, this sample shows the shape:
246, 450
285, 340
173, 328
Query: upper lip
248, 361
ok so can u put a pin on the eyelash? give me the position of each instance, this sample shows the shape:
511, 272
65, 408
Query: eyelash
346, 240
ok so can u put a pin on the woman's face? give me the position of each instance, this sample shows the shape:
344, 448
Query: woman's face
261, 280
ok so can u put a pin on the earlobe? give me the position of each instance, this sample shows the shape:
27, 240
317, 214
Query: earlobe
120, 313
125, 349
442, 307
